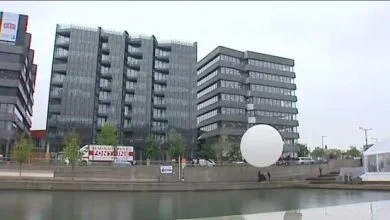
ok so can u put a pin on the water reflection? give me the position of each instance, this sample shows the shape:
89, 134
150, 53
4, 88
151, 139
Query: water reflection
34, 205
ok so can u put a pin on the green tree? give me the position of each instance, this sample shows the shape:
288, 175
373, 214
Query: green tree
109, 136
318, 152
235, 153
151, 148
207, 150
177, 143
333, 153
353, 152
303, 150
22, 150
222, 146
72, 149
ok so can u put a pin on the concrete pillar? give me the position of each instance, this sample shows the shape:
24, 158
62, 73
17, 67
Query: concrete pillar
6, 157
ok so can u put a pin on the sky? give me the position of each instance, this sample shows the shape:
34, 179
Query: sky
341, 51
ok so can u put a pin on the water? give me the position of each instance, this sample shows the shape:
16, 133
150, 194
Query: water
41, 205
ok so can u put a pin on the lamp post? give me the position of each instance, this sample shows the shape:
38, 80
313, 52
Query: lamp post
365, 134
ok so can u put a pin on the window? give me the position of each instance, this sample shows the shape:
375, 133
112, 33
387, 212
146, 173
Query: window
160, 64
231, 84
207, 115
130, 85
159, 88
207, 90
103, 108
130, 73
210, 127
271, 89
104, 95
129, 97
230, 71
161, 53
230, 59
101, 121
232, 111
18, 113
158, 100
207, 78
159, 76
207, 102
209, 64
160, 113
232, 98
105, 83
270, 65
62, 40
60, 52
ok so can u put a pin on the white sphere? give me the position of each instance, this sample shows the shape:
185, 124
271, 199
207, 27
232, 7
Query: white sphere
261, 145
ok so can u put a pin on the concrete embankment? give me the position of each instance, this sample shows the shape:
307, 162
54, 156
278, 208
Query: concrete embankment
116, 185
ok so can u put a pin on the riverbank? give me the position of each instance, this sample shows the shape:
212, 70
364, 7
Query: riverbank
80, 184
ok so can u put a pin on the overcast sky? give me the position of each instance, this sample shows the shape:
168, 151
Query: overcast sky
341, 51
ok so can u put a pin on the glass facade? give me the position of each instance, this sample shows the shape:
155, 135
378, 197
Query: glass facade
111, 78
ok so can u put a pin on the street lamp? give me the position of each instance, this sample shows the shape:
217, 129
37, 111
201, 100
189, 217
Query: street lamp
365, 133
322, 141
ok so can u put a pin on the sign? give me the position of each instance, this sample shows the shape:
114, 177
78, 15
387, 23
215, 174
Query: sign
166, 169
9, 26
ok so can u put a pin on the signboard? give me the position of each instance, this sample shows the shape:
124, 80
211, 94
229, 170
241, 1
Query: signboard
106, 153
166, 169
9, 26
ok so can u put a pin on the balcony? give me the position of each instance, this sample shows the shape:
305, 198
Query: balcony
63, 42
160, 118
131, 75
104, 101
60, 67
159, 92
159, 129
105, 60
55, 95
105, 48
127, 115
57, 82
132, 62
102, 113
161, 105
135, 52
106, 87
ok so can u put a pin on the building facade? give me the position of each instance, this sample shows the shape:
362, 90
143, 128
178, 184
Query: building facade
137, 83
236, 90
17, 79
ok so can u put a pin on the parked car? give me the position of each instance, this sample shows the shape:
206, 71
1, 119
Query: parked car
305, 160
122, 163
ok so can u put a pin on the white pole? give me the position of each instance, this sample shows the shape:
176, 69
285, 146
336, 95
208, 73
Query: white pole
179, 168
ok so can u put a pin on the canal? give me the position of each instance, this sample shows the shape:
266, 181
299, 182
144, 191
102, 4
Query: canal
45, 205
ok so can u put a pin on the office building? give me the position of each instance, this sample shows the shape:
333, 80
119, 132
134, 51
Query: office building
141, 85
236, 90
17, 79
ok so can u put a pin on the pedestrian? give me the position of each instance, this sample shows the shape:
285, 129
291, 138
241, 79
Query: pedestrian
258, 176
269, 176
319, 168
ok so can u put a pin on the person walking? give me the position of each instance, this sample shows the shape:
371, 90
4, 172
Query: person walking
269, 176
319, 168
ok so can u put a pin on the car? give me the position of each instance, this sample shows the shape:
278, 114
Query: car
305, 160
122, 163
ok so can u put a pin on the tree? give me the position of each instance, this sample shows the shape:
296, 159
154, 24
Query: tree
303, 150
151, 148
353, 152
318, 152
333, 153
207, 150
177, 143
222, 146
108, 136
235, 153
72, 150
22, 150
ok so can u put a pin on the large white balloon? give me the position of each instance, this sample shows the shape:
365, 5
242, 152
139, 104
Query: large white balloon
261, 145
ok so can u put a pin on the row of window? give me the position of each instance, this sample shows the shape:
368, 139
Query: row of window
57, 91
272, 102
207, 90
216, 59
207, 102
105, 57
101, 121
210, 127
158, 125
104, 70
104, 95
270, 65
161, 53
232, 98
207, 78
160, 64
103, 108
130, 85
105, 83
159, 113
132, 49
158, 100
161, 138
271, 89
286, 128
280, 115
159, 76
132, 60
230, 71
8, 108
60, 52
130, 73
271, 77
231, 84
232, 111
159, 88
207, 116
58, 78
104, 45
62, 39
